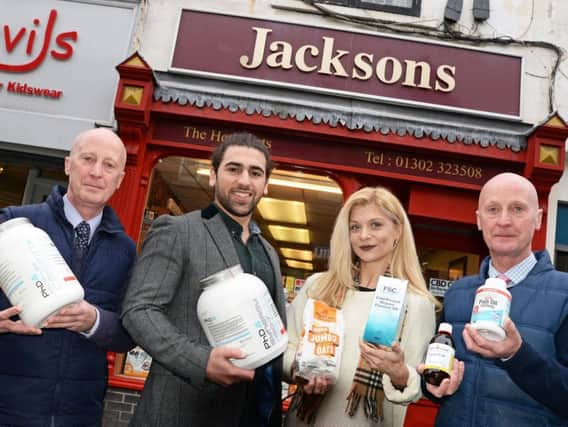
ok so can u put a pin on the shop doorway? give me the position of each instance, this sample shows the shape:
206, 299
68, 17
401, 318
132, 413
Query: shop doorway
296, 216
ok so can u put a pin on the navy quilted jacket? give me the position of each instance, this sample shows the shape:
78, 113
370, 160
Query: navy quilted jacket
62, 374
530, 389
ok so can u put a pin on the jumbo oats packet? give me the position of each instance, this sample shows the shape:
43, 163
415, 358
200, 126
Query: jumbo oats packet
319, 350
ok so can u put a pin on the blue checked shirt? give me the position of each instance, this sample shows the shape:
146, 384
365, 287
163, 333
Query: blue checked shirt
517, 273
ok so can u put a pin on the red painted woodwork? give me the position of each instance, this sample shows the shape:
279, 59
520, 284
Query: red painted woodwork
443, 203
435, 201
421, 414
348, 184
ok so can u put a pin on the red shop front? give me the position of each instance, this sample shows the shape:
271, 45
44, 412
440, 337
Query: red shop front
329, 135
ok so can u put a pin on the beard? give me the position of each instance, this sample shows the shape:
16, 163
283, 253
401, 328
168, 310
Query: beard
234, 209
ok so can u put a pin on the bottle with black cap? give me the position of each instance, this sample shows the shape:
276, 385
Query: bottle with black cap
440, 356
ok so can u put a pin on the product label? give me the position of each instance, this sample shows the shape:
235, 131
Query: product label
10, 280
387, 312
319, 350
228, 331
47, 260
33, 270
325, 342
256, 328
269, 327
137, 363
491, 305
440, 356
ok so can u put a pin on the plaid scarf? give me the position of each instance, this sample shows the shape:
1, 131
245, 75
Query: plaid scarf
306, 405
367, 385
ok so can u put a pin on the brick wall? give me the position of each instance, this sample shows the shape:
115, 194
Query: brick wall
119, 406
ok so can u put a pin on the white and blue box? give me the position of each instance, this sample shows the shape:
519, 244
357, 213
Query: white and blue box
387, 312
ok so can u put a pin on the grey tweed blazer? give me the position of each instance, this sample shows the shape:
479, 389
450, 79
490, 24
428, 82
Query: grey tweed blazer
160, 313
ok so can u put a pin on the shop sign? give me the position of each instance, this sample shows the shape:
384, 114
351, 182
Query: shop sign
439, 287
434, 167
38, 43
26, 37
346, 63
57, 65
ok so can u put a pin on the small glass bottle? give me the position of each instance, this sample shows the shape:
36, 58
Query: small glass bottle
440, 356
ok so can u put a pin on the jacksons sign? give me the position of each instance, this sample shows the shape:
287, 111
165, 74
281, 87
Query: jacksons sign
347, 63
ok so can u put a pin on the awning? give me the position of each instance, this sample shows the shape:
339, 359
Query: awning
353, 114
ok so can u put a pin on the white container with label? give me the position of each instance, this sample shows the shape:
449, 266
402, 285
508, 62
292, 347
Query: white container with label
33, 274
236, 310
491, 307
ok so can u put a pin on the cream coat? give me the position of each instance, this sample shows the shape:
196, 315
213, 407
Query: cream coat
418, 330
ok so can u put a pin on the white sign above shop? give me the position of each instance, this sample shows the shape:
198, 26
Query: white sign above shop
57, 67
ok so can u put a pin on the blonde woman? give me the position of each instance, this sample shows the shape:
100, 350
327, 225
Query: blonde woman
371, 237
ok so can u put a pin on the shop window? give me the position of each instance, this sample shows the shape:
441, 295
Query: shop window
561, 249
561, 258
23, 181
296, 201
12, 184
442, 267
402, 7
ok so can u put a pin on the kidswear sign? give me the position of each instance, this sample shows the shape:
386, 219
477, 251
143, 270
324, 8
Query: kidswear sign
57, 67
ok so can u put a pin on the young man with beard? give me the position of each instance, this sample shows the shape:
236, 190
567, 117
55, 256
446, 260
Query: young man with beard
191, 383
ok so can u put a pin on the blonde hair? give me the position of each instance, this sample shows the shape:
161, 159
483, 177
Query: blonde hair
332, 285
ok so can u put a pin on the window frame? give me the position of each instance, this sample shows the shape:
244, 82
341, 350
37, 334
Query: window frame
413, 10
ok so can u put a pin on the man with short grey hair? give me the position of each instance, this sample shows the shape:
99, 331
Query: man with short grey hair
57, 375
521, 381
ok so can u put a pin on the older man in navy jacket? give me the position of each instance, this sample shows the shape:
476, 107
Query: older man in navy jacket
56, 376
521, 381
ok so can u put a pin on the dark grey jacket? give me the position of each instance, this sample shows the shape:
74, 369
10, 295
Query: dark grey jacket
160, 312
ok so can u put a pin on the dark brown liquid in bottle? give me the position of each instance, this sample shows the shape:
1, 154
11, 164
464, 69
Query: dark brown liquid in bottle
436, 376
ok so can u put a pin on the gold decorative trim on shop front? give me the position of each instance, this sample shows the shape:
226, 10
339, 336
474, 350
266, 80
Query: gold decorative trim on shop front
549, 155
132, 95
135, 61
556, 122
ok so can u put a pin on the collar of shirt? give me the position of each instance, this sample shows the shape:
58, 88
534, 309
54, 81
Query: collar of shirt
518, 272
234, 227
74, 217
